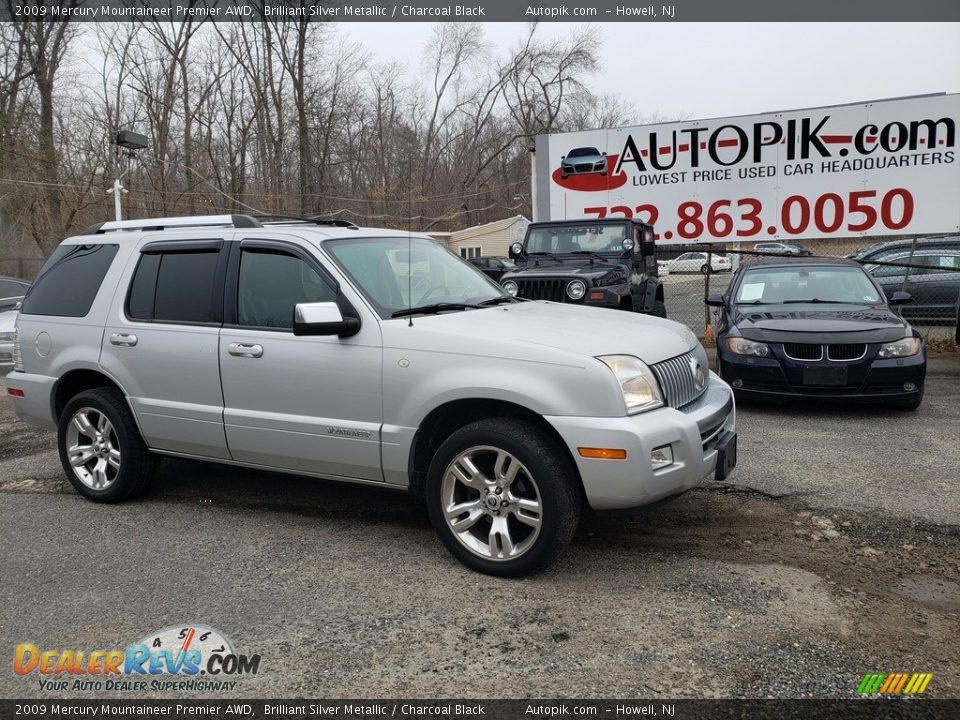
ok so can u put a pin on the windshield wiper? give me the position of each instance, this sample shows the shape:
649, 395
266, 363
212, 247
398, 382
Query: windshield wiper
752, 302
818, 300
433, 308
499, 299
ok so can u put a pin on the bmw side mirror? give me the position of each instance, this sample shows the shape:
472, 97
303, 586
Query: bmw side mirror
900, 298
323, 318
715, 300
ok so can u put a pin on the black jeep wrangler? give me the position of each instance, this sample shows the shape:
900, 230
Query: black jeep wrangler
607, 263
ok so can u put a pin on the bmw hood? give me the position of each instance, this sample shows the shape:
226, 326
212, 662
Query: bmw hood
542, 331
813, 323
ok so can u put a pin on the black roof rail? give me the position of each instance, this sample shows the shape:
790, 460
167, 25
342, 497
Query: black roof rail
314, 220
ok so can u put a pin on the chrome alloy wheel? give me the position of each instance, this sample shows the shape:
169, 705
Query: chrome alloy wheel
93, 448
491, 503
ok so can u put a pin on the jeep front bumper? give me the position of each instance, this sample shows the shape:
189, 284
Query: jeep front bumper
697, 435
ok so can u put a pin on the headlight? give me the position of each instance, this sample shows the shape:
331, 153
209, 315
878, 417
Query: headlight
742, 346
640, 389
576, 289
511, 287
8, 337
517, 249
901, 348
627, 244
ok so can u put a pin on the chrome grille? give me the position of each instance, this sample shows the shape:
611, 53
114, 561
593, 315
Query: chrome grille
553, 290
848, 351
803, 351
676, 377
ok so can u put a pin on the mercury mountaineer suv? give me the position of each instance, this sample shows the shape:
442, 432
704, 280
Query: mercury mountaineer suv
366, 356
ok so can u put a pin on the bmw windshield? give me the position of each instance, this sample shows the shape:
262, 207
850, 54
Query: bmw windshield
786, 285
401, 276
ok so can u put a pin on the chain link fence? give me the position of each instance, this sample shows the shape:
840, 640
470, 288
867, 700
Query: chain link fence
928, 268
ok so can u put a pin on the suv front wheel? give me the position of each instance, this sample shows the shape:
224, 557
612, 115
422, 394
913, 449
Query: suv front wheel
503, 497
101, 450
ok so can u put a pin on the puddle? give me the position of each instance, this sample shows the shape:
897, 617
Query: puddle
931, 591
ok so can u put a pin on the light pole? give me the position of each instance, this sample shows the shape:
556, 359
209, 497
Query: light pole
130, 142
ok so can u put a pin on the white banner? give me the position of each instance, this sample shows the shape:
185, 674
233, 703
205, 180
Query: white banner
882, 168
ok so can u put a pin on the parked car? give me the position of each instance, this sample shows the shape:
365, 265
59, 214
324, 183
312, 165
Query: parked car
880, 251
7, 336
778, 248
12, 291
817, 328
605, 263
491, 266
583, 161
697, 262
932, 277
302, 347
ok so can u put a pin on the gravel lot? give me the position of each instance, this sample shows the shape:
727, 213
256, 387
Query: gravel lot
834, 552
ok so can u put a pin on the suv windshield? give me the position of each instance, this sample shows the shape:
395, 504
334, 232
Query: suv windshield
780, 285
397, 273
570, 239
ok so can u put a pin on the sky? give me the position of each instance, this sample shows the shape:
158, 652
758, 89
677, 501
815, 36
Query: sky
703, 70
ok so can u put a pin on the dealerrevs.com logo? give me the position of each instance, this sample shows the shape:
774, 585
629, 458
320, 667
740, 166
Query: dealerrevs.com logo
178, 658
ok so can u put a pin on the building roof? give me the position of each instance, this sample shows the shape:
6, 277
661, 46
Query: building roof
486, 228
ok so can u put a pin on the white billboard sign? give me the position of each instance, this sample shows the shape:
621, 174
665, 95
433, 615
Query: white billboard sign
880, 168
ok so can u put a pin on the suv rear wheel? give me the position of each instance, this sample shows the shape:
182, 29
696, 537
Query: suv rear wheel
101, 450
503, 497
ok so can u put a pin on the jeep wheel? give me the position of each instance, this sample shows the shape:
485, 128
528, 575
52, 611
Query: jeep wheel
503, 497
101, 450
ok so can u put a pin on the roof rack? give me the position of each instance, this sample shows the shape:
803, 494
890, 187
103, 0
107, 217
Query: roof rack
236, 221
315, 220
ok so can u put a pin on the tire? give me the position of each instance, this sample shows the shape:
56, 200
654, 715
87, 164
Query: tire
703, 269
659, 309
544, 490
118, 464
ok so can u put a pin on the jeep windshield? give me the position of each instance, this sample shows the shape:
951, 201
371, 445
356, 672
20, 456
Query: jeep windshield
401, 276
573, 239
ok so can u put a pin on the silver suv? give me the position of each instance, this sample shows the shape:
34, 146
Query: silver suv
366, 356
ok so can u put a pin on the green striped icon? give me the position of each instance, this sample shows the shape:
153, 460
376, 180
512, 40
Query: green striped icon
894, 683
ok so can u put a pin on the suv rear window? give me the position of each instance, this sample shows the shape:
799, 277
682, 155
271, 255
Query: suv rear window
69, 280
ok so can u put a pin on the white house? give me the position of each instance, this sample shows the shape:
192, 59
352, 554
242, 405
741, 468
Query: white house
493, 238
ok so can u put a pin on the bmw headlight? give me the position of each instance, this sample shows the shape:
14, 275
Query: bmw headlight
576, 289
901, 348
641, 391
511, 287
742, 346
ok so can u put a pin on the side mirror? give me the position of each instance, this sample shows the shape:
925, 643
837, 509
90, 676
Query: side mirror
715, 300
604, 154
647, 245
563, 157
323, 318
900, 298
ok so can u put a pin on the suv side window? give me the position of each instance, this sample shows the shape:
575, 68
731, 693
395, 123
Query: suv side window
175, 286
69, 280
271, 283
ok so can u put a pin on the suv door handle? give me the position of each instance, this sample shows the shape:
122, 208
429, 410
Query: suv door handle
121, 339
245, 350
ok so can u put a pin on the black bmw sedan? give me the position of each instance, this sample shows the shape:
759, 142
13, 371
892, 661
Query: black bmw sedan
818, 328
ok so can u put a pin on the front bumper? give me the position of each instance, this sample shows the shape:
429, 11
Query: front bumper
693, 434
868, 379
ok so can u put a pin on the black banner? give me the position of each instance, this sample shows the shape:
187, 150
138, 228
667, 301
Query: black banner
854, 709
479, 10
